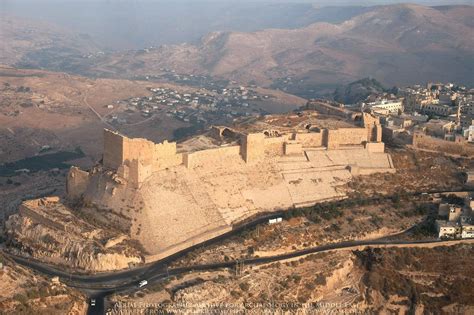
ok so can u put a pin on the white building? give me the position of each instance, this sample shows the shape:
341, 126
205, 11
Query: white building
447, 229
467, 231
470, 134
385, 107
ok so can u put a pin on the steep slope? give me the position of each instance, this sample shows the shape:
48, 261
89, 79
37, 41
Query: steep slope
388, 43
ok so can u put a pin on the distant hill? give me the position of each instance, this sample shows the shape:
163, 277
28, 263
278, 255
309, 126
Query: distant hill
21, 39
400, 44
120, 25
357, 91
397, 44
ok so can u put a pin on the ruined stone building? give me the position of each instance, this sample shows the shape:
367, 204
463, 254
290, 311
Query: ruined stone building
171, 199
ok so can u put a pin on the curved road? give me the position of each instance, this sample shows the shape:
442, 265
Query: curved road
101, 285
98, 288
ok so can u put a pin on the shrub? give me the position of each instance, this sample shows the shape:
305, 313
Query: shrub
244, 286
20, 298
320, 280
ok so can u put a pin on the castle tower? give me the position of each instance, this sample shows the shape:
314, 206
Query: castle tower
252, 147
373, 127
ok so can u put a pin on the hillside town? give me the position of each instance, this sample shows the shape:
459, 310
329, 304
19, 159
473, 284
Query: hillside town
217, 106
437, 117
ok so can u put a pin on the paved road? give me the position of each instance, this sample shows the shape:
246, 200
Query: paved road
155, 275
101, 285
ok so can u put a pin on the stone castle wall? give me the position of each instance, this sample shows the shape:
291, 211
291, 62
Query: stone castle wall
373, 127
312, 139
27, 209
328, 109
253, 147
346, 136
137, 159
274, 146
375, 147
76, 182
426, 142
211, 156
113, 149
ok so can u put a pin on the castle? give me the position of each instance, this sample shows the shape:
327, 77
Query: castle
171, 196
135, 160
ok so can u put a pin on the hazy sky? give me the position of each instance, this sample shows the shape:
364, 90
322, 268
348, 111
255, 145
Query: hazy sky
317, 2
125, 24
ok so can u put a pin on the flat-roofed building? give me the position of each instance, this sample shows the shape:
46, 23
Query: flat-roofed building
448, 229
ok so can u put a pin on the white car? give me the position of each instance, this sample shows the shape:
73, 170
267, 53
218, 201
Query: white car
142, 283
92, 302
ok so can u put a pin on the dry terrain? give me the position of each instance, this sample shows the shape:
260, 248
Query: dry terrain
417, 171
22, 38
369, 280
51, 120
24, 292
62, 112
397, 44
40, 108
69, 239
313, 226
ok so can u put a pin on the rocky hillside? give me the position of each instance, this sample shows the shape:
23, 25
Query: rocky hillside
24, 292
421, 280
49, 231
396, 44
357, 91
370, 281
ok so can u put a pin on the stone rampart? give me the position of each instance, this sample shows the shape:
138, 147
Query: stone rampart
373, 126
205, 236
274, 146
136, 159
346, 136
113, 149
253, 147
293, 148
27, 209
312, 139
426, 142
375, 147
328, 109
211, 156
76, 183
360, 171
